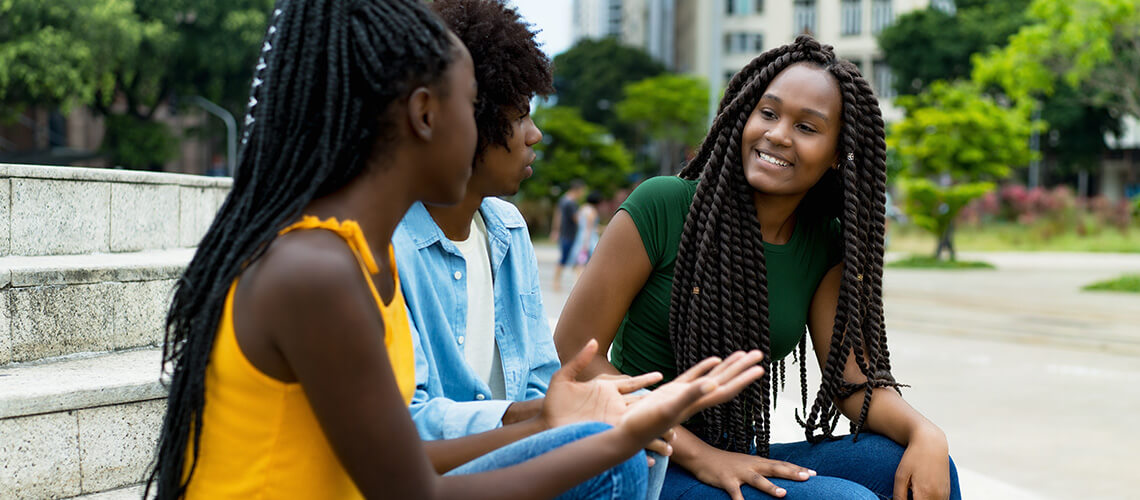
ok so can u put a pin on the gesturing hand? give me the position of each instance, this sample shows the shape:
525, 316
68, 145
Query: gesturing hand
600, 399
709, 383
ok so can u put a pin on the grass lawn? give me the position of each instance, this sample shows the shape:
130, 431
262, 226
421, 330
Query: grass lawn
1125, 283
928, 262
1014, 238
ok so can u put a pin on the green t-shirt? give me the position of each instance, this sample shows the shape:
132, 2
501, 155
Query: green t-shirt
658, 208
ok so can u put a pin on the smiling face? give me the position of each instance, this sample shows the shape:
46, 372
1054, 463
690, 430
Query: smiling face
500, 170
790, 139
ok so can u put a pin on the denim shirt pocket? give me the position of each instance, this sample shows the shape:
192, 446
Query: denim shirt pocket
532, 304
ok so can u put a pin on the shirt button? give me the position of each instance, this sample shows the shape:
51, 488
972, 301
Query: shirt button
480, 397
460, 340
458, 275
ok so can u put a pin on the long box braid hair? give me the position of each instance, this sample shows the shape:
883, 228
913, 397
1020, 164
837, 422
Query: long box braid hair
721, 254
320, 105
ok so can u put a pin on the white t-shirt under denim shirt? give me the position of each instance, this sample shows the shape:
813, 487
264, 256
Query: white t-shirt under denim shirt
479, 347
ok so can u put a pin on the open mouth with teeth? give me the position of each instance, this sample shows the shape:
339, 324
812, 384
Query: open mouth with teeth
773, 160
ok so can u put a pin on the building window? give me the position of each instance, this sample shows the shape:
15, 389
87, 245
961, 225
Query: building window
741, 7
881, 15
614, 18
758, 7
804, 17
852, 23
743, 43
884, 81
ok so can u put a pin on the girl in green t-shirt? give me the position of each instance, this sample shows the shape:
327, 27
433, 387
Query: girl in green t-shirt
776, 226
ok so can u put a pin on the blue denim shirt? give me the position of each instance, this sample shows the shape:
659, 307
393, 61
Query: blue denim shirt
450, 400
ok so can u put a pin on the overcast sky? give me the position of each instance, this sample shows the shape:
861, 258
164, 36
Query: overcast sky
553, 18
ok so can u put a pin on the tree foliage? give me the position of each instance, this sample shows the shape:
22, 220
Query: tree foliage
669, 108
1092, 45
592, 75
127, 57
954, 142
928, 45
573, 148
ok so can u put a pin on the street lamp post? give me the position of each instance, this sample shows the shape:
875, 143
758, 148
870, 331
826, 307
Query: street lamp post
231, 129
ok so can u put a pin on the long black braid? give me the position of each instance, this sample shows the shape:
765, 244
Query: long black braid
320, 105
720, 283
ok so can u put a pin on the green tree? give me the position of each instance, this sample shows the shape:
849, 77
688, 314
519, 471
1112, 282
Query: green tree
954, 142
928, 45
670, 110
573, 148
1093, 46
126, 58
591, 76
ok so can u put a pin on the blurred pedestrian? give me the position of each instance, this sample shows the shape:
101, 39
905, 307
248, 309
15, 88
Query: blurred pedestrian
564, 228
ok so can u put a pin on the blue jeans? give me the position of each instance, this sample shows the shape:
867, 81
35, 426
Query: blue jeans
625, 481
847, 470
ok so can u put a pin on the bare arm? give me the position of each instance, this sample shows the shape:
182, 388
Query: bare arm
618, 269
888, 414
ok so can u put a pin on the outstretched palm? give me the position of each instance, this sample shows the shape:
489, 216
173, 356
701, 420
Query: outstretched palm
601, 399
709, 383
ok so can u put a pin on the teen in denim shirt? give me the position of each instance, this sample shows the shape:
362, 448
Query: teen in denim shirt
484, 349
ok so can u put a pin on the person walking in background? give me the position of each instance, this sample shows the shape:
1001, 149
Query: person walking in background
564, 228
587, 237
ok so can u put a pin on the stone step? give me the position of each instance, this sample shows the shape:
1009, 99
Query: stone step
82, 425
53, 306
73, 210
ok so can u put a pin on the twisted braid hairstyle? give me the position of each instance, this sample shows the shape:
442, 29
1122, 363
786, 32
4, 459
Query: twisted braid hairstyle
509, 66
321, 104
720, 283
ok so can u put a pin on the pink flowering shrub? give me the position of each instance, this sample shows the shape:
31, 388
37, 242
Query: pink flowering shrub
1051, 211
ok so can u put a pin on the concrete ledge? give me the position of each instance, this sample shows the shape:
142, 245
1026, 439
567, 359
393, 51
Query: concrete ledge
150, 265
58, 306
82, 425
72, 210
81, 382
111, 175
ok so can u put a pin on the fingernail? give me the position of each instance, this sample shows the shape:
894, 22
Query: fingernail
781, 491
804, 475
812, 472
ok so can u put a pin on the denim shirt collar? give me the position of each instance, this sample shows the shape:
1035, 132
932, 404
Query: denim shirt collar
424, 232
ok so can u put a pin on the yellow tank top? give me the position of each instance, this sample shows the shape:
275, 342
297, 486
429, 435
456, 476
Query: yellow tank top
260, 439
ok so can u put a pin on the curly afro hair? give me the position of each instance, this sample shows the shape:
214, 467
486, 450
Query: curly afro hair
509, 66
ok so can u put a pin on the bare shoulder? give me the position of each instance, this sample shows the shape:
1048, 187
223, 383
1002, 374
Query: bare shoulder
302, 268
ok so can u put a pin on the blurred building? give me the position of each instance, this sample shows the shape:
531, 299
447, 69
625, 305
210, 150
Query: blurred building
716, 38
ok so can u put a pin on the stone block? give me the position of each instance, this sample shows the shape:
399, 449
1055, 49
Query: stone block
195, 214
116, 443
220, 194
40, 456
55, 320
5, 328
140, 312
54, 217
143, 216
5, 215
80, 382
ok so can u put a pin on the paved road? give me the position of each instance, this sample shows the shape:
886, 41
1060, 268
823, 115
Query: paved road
1036, 383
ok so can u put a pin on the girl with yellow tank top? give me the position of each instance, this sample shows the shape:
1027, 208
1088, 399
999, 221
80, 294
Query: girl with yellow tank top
287, 337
